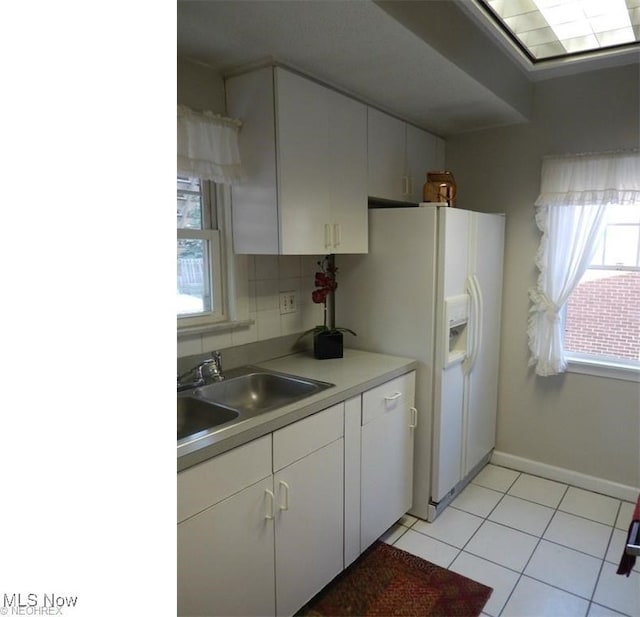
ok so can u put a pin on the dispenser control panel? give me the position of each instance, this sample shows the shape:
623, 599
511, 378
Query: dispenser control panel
457, 318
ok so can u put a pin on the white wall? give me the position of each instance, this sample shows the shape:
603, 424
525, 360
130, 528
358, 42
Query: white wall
585, 424
199, 87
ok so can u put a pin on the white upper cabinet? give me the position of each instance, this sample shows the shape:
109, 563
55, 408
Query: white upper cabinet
348, 173
425, 152
399, 157
386, 170
304, 147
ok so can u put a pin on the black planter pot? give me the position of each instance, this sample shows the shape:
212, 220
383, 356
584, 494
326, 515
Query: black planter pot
327, 345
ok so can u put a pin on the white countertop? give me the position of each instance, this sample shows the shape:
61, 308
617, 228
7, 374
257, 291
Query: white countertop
353, 374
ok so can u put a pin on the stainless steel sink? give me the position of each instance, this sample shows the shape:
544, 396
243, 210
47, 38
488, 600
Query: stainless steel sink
196, 415
259, 391
244, 393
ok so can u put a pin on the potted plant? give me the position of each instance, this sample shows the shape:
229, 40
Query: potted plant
327, 338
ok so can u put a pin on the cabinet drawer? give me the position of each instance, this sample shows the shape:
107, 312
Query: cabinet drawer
216, 479
295, 441
394, 394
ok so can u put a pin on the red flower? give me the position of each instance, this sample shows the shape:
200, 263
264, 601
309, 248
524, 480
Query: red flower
325, 283
319, 296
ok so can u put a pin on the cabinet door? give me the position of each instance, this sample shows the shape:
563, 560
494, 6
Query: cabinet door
422, 156
250, 96
348, 170
302, 126
352, 424
222, 549
387, 457
309, 526
386, 153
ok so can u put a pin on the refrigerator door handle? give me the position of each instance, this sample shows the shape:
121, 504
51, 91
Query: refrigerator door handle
480, 319
473, 286
469, 359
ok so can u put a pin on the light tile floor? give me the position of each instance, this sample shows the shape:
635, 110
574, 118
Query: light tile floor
547, 549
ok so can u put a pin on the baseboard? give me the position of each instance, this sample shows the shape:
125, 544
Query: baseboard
566, 476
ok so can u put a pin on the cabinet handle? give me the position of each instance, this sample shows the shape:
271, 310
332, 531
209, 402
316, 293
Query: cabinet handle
405, 185
393, 397
268, 513
284, 503
327, 236
336, 235
414, 417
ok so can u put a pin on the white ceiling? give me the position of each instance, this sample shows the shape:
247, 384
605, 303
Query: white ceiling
429, 62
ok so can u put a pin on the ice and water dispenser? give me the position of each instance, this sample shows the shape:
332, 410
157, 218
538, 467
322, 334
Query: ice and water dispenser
456, 320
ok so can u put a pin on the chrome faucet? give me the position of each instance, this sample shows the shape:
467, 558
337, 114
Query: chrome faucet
208, 371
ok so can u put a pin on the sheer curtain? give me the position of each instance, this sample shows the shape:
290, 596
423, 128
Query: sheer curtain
574, 193
208, 146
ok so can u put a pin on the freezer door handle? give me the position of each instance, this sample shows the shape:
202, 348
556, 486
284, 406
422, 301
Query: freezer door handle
473, 286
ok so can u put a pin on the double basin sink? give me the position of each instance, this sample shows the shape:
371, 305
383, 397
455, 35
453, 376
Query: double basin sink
244, 393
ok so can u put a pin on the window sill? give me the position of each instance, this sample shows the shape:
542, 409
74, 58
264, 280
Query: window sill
224, 326
600, 368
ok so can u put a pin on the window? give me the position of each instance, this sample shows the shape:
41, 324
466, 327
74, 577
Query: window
602, 320
588, 213
199, 266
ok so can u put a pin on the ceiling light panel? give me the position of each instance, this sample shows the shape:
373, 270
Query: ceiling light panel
551, 28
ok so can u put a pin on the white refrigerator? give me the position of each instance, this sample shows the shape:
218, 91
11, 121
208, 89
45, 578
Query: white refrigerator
430, 288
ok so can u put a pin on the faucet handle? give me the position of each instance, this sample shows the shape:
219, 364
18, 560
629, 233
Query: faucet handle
213, 367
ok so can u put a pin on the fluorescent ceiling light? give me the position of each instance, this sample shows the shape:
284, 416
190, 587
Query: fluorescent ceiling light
570, 19
552, 28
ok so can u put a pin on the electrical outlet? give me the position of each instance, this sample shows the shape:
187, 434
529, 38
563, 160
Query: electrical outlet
288, 302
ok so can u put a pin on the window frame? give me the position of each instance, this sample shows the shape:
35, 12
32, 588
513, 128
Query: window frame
589, 365
213, 220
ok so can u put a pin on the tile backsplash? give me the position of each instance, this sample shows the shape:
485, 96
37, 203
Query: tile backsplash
267, 275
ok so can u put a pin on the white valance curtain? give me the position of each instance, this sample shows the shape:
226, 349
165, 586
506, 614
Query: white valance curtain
574, 193
208, 146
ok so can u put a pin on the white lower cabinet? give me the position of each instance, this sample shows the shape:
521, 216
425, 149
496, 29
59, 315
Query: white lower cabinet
388, 420
267, 548
264, 527
309, 479
225, 550
225, 534
308, 526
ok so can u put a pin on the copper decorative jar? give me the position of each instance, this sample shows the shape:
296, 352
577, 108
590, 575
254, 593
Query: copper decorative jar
440, 187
